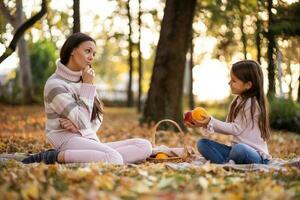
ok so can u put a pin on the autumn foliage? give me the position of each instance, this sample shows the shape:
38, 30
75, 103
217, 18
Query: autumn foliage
22, 130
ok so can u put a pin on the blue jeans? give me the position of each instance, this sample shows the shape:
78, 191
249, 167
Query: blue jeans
221, 153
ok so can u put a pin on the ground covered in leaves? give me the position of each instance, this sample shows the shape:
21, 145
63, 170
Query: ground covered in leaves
22, 130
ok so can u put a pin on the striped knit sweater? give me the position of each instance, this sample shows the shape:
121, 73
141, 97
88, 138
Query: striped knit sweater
65, 96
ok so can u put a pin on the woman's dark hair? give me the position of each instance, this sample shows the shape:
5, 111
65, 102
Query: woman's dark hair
249, 70
71, 43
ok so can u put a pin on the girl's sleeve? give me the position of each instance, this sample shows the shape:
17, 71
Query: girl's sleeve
79, 110
236, 127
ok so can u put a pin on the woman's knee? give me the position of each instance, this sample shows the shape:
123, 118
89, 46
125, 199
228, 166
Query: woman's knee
114, 157
144, 145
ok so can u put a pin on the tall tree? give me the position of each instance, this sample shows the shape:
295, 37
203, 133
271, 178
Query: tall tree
130, 59
271, 46
243, 37
20, 26
76, 16
286, 20
165, 94
258, 32
140, 64
191, 66
223, 18
298, 97
286, 24
242, 8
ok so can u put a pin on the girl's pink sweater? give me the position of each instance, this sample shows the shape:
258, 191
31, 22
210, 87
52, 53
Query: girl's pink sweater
243, 129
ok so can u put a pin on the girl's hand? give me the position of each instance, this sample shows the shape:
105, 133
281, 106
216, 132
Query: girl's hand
88, 75
68, 125
189, 124
202, 123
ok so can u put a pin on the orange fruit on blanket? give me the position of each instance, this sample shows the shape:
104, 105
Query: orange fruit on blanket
161, 156
199, 113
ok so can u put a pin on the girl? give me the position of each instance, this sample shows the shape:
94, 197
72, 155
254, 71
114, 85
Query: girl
247, 120
74, 113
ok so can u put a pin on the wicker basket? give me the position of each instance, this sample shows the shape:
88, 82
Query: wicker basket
185, 157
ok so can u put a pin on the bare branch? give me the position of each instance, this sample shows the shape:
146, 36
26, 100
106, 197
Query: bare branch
21, 30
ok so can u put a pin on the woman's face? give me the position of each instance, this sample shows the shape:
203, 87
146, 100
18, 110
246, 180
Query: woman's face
82, 56
237, 86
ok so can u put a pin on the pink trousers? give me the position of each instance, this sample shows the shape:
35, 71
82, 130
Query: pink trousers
83, 150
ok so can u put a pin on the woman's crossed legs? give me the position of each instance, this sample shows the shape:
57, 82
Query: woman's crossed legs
83, 150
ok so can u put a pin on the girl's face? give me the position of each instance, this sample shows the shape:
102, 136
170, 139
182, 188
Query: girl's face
82, 56
237, 86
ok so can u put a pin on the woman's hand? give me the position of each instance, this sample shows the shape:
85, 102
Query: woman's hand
88, 75
68, 125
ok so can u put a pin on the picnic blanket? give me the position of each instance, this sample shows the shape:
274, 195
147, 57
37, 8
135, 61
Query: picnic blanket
275, 164
198, 161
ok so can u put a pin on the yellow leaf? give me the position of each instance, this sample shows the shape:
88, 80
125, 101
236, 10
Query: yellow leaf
203, 182
141, 187
30, 191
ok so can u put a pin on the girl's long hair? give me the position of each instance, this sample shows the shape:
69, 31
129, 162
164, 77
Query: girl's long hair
249, 70
71, 43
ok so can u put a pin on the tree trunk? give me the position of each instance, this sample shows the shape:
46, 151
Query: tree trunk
191, 66
258, 47
279, 69
26, 83
165, 94
76, 16
130, 60
244, 39
140, 64
271, 46
258, 33
25, 72
20, 27
48, 20
289, 71
298, 97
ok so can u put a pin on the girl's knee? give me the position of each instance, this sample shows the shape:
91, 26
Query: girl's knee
238, 151
239, 147
202, 144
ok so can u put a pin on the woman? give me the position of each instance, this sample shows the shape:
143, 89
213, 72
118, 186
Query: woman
74, 113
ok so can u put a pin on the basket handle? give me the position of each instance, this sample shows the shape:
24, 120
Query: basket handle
182, 135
